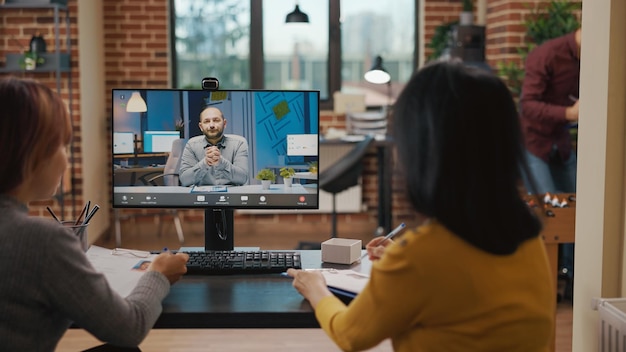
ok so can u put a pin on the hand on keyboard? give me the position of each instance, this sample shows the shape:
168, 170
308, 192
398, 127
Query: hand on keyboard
170, 265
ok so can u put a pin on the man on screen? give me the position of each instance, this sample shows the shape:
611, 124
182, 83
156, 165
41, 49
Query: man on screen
214, 158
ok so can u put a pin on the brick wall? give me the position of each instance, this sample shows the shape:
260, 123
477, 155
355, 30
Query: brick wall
17, 26
136, 47
504, 28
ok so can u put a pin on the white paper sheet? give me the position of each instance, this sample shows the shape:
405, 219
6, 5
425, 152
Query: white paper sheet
122, 269
347, 280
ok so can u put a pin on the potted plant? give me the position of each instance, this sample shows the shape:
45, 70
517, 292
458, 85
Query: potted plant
30, 60
555, 19
287, 174
441, 40
313, 167
267, 176
467, 14
179, 125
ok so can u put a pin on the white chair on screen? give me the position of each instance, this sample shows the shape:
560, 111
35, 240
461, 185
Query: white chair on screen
169, 177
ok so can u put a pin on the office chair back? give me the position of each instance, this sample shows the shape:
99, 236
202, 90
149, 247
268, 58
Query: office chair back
337, 177
344, 174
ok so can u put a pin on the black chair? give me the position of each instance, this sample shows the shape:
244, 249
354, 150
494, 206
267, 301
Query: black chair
341, 175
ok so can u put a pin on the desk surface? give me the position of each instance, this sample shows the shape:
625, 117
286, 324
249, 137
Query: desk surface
243, 301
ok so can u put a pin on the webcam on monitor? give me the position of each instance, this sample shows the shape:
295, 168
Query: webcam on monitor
210, 83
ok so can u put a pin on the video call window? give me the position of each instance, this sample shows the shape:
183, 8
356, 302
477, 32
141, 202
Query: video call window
280, 127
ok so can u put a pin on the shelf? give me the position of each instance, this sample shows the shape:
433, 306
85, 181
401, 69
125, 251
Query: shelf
57, 61
51, 64
35, 4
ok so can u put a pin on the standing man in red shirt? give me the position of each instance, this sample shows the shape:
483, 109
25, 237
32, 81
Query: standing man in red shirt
549, 107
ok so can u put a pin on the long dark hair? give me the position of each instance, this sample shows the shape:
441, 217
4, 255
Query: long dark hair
459, 142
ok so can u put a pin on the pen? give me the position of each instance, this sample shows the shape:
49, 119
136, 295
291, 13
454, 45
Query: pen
87, 206
53, 215
81, 215
91, 214
389, 236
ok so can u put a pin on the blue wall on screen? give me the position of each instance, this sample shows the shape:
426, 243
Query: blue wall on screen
164, 108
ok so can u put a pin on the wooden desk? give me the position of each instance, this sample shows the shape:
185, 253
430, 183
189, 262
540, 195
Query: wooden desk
243, 301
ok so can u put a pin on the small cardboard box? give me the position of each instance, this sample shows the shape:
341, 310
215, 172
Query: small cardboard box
341, 251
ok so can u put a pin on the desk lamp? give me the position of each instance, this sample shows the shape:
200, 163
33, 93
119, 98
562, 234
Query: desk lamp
378, 75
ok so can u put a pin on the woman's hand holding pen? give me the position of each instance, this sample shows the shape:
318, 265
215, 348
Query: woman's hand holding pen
311, 284
173, 266
376, 247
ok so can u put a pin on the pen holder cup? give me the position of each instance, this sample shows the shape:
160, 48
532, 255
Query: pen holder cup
80, 231
341, 251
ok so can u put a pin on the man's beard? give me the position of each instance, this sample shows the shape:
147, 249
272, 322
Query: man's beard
213, 134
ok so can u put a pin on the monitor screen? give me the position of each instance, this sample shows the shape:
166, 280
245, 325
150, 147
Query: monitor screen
123, 143
159, 141
214, 165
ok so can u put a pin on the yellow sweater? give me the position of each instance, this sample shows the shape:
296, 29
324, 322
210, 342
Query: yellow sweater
432, 291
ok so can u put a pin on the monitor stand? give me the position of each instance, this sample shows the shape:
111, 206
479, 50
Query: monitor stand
219, 229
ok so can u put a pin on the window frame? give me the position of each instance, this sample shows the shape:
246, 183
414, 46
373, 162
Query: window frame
256, 60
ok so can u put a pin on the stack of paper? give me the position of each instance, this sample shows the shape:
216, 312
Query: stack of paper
344, 282
121, 267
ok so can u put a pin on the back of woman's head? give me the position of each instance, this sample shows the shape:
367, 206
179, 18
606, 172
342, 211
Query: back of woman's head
460, 145
33, 123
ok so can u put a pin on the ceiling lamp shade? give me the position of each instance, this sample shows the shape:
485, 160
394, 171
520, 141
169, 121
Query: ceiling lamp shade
297, 16
136, 103
377, 75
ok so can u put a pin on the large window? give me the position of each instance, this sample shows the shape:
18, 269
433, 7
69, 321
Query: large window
211, 39
247, 44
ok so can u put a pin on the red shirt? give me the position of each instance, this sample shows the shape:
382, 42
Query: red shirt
550, 86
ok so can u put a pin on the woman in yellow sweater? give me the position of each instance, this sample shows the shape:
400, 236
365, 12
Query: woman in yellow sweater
474, 276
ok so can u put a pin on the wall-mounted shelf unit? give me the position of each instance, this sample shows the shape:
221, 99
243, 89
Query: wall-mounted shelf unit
57, 61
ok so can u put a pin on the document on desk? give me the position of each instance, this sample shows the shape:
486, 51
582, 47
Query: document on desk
344, 282
122, 267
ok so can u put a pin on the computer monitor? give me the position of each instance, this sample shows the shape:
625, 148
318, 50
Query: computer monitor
123, 143
280, 128
159, 141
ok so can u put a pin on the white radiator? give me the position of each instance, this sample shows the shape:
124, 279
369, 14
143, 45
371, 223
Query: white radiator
612, 324
348, 201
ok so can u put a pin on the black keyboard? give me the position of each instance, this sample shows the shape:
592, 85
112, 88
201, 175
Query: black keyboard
242, 262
